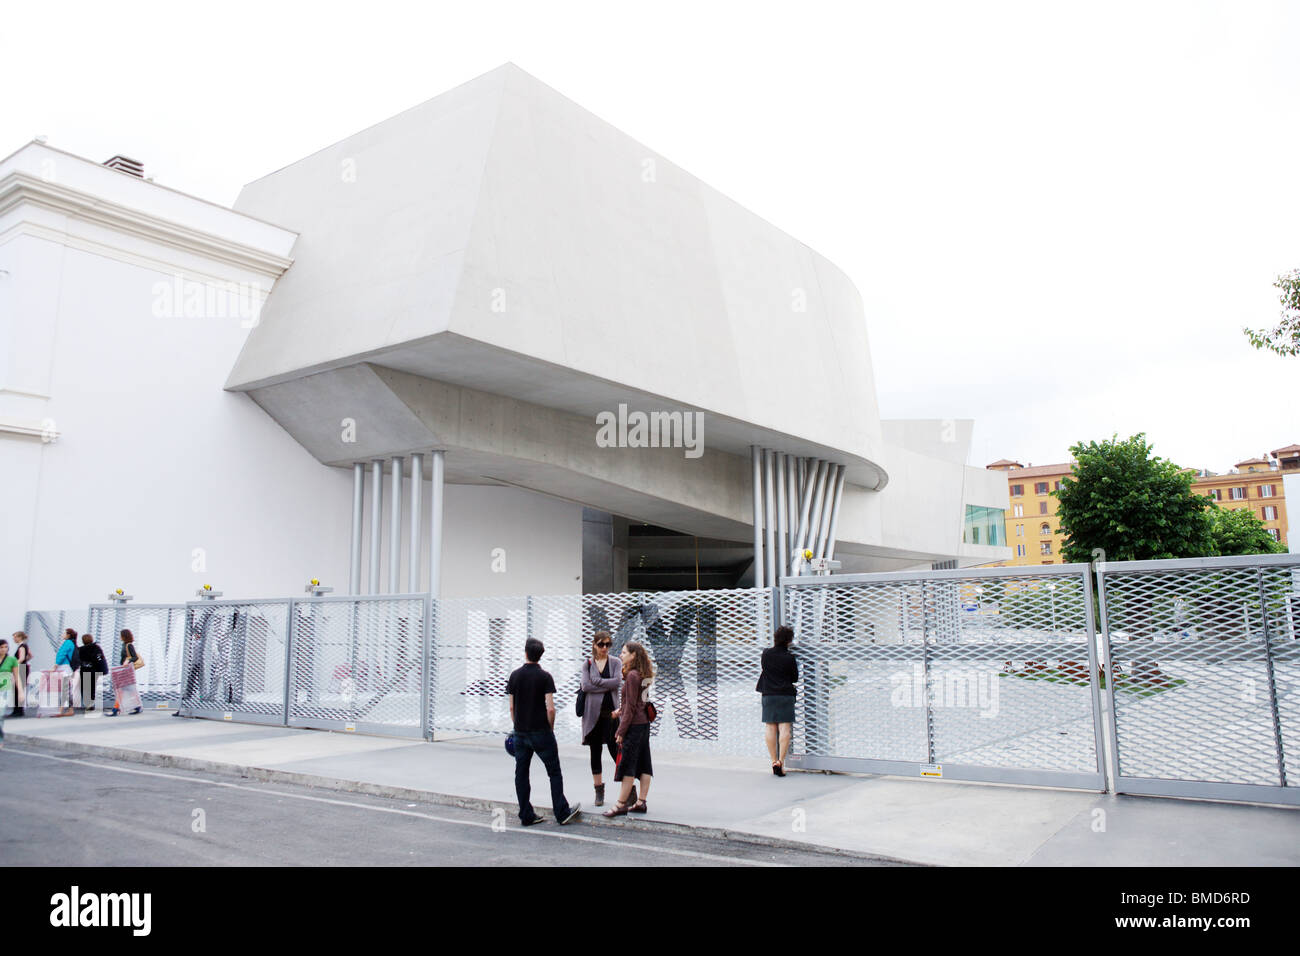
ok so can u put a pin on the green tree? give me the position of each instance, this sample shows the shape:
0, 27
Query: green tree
1135, 507
1240, 532
1285, 339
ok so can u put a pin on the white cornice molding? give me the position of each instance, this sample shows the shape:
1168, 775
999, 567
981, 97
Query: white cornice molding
28, 429
19, 187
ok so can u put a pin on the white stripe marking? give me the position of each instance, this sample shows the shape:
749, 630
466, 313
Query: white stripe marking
529, 831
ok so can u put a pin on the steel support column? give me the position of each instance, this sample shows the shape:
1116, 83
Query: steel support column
354, 558
782, 514
835, 515
376, 520
437, 474
769, 513
756, 456
395, 529
416, 529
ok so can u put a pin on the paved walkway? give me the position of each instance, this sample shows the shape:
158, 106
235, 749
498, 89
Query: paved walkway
921, 821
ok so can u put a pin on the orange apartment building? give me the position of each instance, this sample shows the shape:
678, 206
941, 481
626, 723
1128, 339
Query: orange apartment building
1031, 521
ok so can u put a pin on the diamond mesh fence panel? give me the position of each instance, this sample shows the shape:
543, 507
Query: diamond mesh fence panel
1204, 660
44, 629
991, 671
158, 632
358, 661
234, 659
704, 646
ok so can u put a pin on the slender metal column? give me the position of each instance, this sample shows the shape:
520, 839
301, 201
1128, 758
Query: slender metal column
417, 483
395, 529
354, 558
792, 499
803, 476
769, 513
815, 514
833, 479
805, 504
376, 520
437, 472
835, 514
756, 455
782, 514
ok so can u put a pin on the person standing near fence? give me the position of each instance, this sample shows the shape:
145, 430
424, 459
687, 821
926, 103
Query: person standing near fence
532, 708
23, 655
600, 682
8, 668
776, 684
93, 663
129, 653
69, 660
633, 734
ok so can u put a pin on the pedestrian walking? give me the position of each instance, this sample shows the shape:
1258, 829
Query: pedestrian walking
93, 663
8, 669
532, 709
776, 683
633, 735
600, 682
131, 655
22, 654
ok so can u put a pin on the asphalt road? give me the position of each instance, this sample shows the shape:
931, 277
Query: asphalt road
70, 810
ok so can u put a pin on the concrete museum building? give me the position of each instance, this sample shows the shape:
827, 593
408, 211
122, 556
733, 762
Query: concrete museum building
489, 346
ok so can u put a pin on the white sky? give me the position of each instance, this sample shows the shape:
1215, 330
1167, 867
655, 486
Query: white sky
1059, 215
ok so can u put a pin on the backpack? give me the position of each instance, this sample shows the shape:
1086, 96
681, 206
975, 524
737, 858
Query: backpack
75, 662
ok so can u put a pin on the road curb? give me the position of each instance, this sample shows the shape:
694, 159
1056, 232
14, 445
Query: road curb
342, 785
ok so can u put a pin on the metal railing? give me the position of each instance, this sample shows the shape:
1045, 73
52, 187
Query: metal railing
985, 674
1205, 676
1190, 686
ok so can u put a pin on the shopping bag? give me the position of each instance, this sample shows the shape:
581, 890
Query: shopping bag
125, 687
53, 692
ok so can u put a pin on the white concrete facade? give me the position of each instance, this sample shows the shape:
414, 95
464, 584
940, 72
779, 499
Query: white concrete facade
485, 274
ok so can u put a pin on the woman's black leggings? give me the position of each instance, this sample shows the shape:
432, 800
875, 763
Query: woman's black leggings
602, 735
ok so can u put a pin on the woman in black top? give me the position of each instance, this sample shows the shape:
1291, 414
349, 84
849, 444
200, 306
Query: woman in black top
93, 664
776, 684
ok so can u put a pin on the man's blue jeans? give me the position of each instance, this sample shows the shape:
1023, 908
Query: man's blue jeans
541, 742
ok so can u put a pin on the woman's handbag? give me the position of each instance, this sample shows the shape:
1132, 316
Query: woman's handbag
137, 659
651, 711
580, 707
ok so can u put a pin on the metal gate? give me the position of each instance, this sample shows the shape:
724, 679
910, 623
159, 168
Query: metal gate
978, 674
158, 632
1205, 664
234, 660
358, 664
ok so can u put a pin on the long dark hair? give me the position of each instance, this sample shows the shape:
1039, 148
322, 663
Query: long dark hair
640, 661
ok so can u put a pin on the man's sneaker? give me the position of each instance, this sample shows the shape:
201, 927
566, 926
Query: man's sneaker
573, 812
534, 821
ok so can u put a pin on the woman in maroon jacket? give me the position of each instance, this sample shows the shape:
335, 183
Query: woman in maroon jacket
633, 730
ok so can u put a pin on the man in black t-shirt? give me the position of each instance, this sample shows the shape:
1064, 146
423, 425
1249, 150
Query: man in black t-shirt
532, 708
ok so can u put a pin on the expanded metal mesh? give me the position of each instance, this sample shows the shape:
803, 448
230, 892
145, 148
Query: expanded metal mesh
704, 646
975, 669
45, 629
158, 632
1206, 670
357, 661
234, 657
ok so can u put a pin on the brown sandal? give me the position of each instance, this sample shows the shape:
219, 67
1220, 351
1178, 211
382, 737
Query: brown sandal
618, 810
638, 807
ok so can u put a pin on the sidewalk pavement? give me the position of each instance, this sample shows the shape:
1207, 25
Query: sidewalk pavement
933, 822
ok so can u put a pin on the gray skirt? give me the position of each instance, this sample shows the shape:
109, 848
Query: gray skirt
778, 709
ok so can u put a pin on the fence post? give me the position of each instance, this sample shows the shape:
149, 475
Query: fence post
1094, 677
1272, 686
925, 673
290, 629
426, 669
1109, 664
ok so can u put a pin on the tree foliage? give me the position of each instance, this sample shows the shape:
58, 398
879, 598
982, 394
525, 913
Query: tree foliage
1133, 506
1240, 532
1285, 339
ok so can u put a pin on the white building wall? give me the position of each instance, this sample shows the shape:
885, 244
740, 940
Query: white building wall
159, 481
